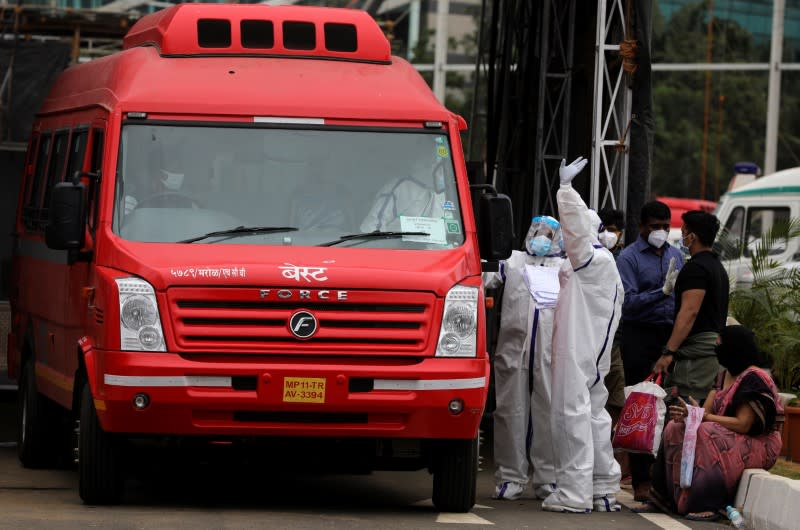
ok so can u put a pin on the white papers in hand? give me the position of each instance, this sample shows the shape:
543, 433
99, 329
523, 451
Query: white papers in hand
543, 284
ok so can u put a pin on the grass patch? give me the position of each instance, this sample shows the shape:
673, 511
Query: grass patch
786, 468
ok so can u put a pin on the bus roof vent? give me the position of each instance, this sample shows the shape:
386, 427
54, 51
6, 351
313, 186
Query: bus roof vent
253, 29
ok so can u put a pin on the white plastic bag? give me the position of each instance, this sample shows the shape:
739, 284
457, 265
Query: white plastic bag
642, 418
694, 418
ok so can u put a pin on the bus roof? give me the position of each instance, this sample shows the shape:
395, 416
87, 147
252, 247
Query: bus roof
786, 181
313, 85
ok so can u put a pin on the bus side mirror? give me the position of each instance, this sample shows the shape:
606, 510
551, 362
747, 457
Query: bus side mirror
67, 209
495, 224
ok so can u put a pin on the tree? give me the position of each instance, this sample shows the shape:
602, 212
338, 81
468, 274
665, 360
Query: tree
738, 103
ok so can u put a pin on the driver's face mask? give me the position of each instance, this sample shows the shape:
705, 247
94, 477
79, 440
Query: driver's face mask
172, 181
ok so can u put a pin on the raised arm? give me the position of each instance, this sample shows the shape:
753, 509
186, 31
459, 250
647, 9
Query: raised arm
577, 234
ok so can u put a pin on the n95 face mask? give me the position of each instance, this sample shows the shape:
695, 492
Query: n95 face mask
657, 238
607, 239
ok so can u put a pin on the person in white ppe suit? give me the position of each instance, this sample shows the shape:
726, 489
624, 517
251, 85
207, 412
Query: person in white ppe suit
586, 318
420, 195
522, 362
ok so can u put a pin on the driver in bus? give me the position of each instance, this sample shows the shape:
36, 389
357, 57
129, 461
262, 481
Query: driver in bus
164, 192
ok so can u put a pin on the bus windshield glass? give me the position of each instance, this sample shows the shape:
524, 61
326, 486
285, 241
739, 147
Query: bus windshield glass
242, 184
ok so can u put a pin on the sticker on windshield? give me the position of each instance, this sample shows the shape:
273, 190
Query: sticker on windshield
432, 226
448, 214
442, 152
453, 227
439, 140
448, 205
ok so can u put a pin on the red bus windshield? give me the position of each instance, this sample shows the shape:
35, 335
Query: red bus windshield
177, 182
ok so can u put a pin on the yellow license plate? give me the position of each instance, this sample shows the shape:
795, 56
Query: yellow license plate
304, 390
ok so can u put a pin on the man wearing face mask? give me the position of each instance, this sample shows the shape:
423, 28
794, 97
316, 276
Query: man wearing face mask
614, 221
586, 318
522, 436
701, 308
163, 192
647, 268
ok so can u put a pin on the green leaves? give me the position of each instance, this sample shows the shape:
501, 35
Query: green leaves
771, 306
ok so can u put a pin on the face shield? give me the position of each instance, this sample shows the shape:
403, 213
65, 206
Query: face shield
544, 237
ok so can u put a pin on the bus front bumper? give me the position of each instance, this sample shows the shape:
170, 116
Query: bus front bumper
348, 397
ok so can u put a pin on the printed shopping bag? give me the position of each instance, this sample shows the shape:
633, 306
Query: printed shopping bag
642, 418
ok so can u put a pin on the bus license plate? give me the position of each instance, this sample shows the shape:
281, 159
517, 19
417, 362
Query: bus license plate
304, 390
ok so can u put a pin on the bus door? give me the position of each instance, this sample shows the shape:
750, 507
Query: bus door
88, 156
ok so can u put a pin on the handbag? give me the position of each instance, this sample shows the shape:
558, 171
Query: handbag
642, 418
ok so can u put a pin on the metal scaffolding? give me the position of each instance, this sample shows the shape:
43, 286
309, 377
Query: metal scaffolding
612, 109
557, 37
90, 34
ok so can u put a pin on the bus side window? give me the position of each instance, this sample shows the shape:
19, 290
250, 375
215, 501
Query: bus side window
27, 173
77, 150
55, 172
30, 212
95, 164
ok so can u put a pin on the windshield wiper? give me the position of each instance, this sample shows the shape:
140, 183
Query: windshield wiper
242, 230
377, 234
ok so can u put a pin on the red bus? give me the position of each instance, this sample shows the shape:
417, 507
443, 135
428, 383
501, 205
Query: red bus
679, 206
251, 223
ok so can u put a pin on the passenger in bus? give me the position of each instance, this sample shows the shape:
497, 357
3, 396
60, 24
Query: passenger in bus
408, 196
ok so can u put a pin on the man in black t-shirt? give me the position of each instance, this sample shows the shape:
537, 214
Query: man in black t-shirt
701, 307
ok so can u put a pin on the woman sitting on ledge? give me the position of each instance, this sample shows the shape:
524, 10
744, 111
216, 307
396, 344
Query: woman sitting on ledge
738, 432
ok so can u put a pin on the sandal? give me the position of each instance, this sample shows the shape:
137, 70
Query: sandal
702, 516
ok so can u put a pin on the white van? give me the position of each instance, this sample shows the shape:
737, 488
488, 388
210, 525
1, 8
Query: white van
748, 212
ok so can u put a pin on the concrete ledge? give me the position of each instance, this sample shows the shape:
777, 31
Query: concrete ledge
769, 501
744, 485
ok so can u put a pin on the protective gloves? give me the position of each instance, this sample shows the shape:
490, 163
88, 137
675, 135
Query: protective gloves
567, 173
669, 280
130, 204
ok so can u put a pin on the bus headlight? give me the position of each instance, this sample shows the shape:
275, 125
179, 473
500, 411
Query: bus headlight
139, 320
458, 333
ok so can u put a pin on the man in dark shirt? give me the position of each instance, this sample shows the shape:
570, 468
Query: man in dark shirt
647, 311
701, 308
614, 221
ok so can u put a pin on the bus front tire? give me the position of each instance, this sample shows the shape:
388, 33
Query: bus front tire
99, 464
455, 475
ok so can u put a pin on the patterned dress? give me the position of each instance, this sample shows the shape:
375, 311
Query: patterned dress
721, 455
